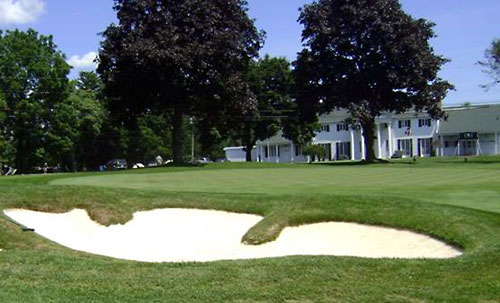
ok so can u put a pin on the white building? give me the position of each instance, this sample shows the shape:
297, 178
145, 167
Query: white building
472, 130
238, 154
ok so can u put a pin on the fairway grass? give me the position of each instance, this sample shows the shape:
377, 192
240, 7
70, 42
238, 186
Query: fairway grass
34, 269
471, 186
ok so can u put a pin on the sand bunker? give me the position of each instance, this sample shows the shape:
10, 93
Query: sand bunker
177, 235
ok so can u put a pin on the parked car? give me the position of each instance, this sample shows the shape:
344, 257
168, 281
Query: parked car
152, 163
116, 164
138, 165
203, 160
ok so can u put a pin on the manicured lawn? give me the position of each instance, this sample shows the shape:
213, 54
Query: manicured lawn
474, 185
33, 269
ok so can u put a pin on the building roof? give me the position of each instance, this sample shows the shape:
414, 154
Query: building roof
276, 139
482, 119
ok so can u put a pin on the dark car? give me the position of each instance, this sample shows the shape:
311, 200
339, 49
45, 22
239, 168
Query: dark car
116, 164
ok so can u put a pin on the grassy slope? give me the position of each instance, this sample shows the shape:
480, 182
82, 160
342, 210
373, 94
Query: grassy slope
33, 269
473, 185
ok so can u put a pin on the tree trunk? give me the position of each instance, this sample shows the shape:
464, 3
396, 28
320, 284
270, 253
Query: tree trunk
177, 134
248, 150
21, 155
369, 135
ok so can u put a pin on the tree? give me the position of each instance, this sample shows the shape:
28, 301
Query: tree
271, 82
89, 81
492, 63
314, 151
75, 127
369, 57
5, 143
33, 79
182, 57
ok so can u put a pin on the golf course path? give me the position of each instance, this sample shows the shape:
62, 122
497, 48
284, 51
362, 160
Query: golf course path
180, 235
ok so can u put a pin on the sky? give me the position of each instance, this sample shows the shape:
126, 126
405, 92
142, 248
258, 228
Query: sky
464, 30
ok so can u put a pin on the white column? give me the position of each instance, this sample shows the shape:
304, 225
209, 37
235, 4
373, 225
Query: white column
496, 144
268, 152
458, 148
363, 154
389, 134
379, 146
277, 153
292, 152
332, 151
352, 144
477, 147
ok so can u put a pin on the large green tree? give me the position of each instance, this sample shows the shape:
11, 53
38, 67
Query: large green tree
182, 57
270, 80
5, 143
492, 62
75, 128
33, 79
367, 56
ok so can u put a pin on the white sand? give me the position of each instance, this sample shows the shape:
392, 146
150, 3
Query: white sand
177, 235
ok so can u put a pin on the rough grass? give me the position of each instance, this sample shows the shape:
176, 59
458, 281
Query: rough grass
33, 269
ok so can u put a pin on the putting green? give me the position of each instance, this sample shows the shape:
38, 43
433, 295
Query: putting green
462, 186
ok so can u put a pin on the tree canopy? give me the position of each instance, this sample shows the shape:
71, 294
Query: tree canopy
183, 57
492, 62
369, 57
33, 79
270, 81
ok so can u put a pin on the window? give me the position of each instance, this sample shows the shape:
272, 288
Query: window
406, 146
404, 123
266, 152
343, 151
298, 150
342, 127
446, 144
272, 151
328, 151
325, 128
424, 122
425, 147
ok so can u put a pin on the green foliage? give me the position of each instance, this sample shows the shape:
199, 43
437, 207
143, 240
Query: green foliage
5, 144
152, 138
492, 63
270, 81
33, 79
368, 57
90, 82
315, 152
179, 57
76, 126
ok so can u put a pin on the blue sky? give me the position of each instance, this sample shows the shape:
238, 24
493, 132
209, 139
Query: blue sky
465, 29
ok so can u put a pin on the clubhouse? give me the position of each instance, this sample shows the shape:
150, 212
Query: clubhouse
468, 131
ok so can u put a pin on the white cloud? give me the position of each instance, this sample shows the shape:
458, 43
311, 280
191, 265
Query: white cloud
20, 11
83, 62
